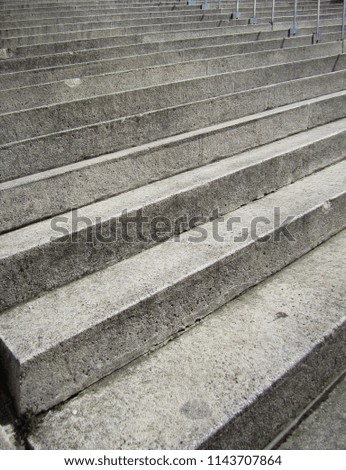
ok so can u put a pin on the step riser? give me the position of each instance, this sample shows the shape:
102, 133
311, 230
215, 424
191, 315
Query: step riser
113, 14
108, 22
28, 157
281, 363
139, 46
153, 58
33, 122
8, 14
123, 30
308, 378
21, 46
124, 60
215, 66
21, 35
84, 251
133, 9
134, 45
14, 100
119, 340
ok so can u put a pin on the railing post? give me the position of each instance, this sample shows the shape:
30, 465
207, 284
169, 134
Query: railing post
294, 30
343, 21
273, 11
316, 35
236, 15
205, 5
253, 20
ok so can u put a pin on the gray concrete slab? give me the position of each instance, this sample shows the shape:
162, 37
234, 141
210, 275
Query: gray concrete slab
215, 65
325, 427
21, 158
82, 184
200, 191
88, 15
103, 321
33, 118
231, 382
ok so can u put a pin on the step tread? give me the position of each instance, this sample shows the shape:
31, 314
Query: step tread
108, 84
199, 382
32, 328
40, 233
18, 128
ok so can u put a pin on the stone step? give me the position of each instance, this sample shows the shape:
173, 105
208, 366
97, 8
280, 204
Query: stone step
59, 53
109, 21
131, 66
16, 47
9, 14
67, 91
79, 184
173, 4
28, 120
121, 29
142, 9
75, 249
320, 429
233, 381
113, 21
65, 19
25, 153
82, 5
87, 329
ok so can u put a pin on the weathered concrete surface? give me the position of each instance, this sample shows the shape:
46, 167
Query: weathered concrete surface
325, 428
84, 72
99, 29
81, 88
112, 104
252, 365
28, 156
6, 439
88, 328
199, 192
156, 57
106, 176
22, 23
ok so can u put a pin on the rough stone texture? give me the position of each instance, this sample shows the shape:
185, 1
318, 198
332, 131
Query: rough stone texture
199, 191
325, 428
76, 88
6, 440
253, 364
86, 329
44, 152
221, 95
215, 65
132, 110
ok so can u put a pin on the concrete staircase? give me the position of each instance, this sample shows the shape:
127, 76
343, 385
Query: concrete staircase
157, 161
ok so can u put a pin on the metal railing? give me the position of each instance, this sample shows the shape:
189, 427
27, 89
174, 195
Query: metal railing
343, 21
273, 11
253, 19
293, 31
236, 15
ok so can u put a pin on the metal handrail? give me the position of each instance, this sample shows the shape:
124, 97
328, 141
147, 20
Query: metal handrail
294, 29
253, 20
273, 11
316, 35
236, 15
343, 21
